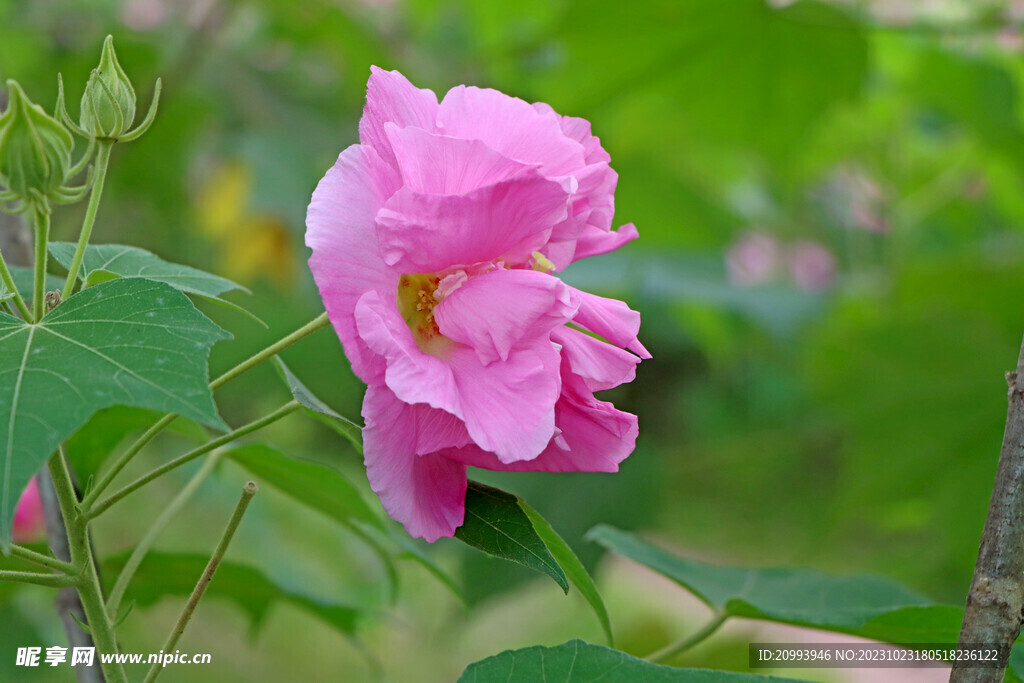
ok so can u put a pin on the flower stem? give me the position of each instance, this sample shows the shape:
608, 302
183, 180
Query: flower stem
43, 560
42, 223
248, 491
147, 436
8, 280
99, 508
100, 174
687, 642
87, 581
154, 530
993, 612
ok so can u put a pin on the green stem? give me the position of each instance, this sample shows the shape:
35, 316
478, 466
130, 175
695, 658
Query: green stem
248, 491
687, 642
42, 223
8, 280
99, 175
87, 581
154, 531
272, 350
51, 580
100, 507
44, 560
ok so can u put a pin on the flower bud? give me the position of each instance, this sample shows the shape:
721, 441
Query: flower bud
108, 104
35, 150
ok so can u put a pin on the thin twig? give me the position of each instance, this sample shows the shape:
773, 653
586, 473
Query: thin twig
42, 560
248, 491
992, 616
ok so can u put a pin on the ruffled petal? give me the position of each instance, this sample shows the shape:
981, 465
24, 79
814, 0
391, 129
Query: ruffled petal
594, 242
426, 493
341, 232
493, 311
510, 126
509, 406
438, 164
612, 319
390, 97
600, 365
414, 376
425, 233
595, 437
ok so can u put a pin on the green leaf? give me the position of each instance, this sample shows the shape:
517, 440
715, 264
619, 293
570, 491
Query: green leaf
497, 525
846, 604
314, 406
103, 262
571, 565
127, 342
580, 662
315, 485
173, 574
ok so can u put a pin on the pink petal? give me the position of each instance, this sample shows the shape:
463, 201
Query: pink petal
493, 311
612, 319
425, 233
599, 364
390, 97
438, 164
414, 376
426, 493
594, 242
509, 406
341, 232
510, 126
598, 437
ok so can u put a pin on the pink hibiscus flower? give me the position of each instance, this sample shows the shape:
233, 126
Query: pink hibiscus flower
29, 523
435, 246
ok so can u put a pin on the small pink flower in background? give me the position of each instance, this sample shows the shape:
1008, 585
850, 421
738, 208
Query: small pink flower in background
29, 523
436, 242
811, 265
753, 259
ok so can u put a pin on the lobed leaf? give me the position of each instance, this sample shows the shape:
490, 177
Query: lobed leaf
128, 342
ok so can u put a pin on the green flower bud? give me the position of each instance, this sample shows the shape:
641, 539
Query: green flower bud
35, 150
108, 104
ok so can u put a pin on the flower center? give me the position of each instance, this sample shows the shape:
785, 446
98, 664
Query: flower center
416, 305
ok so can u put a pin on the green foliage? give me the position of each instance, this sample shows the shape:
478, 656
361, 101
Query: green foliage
129, 342
163, 575
497, 525
352, 432
866, 606
580, 662
312, 484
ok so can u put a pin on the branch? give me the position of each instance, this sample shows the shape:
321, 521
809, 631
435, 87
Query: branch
993, 613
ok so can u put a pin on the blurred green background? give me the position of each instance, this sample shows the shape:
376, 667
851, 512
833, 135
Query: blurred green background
830, 271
